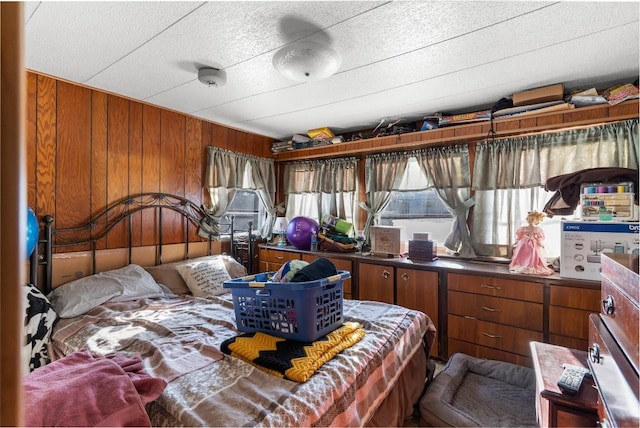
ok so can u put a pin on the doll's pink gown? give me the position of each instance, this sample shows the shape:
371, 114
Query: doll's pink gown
529, 256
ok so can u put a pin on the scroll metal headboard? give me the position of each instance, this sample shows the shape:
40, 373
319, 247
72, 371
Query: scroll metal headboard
104, 222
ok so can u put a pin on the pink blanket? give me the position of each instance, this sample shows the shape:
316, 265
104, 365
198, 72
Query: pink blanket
86, 390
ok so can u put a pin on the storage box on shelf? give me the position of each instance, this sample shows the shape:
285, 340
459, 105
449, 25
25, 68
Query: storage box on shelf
494, 318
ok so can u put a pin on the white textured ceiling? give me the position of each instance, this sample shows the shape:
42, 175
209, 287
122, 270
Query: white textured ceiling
400, 59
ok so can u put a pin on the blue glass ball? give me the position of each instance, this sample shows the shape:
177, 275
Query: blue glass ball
33, 231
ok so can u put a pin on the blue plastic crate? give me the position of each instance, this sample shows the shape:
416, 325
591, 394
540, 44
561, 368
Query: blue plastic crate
302, 311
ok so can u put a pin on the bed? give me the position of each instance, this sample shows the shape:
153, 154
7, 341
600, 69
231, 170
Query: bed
177, 338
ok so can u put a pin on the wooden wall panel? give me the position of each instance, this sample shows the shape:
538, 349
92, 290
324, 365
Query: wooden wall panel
73, 154
87, 150
193, 171
117, 162
99, 122
135, 167
172, 170
30, 137
46, 147
150, 168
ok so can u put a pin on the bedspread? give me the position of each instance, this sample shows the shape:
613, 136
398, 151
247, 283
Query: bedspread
179, 340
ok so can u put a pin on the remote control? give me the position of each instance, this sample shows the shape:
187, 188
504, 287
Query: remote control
571, 379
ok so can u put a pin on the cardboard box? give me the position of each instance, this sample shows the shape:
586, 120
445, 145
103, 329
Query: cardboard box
539, 95
386, 240
583, 242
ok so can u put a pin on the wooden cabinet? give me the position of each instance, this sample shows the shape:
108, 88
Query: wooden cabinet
569, 309
418, 289
494, 318
376, 282
340, 264
272, 259
553, 408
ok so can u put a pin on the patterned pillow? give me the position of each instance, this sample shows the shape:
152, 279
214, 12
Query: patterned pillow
38, 321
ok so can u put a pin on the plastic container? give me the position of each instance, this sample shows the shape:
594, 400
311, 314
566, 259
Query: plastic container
606, 201
302, 311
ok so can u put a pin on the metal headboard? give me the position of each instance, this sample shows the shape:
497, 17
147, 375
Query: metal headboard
104, 222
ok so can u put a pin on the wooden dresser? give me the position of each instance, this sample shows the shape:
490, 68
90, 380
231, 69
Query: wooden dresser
613, 342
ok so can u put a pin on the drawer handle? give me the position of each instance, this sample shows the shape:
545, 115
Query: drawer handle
385, 274
604, 423
279, 257
467, 317
493, 336
486, 308
608, 305
594, 353
491, 287
405, 276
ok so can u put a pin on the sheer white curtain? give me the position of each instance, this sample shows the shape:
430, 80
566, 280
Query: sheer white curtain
315, 188
508, 174
228, 171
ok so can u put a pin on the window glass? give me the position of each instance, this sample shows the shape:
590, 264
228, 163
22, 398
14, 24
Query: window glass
246, 207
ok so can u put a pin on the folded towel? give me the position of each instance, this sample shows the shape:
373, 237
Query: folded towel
291, 359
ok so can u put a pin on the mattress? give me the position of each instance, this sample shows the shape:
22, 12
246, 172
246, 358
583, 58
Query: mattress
179, 340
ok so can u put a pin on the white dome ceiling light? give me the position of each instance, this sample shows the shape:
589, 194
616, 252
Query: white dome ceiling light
212, 76
306, 61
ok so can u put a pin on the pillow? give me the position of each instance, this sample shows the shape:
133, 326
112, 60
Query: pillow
128, 283
166, 273
38, 321
204, 277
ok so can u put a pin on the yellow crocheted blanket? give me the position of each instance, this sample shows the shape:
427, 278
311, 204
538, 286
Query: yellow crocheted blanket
291, 359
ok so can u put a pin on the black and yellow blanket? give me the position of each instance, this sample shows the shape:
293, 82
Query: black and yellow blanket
291, 359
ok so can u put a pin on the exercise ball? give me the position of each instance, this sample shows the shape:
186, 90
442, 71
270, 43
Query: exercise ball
299, 232
33, 231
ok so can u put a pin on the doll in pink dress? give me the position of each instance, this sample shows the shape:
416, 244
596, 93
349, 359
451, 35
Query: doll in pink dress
529, 254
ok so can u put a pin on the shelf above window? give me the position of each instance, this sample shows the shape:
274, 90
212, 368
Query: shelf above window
472, 132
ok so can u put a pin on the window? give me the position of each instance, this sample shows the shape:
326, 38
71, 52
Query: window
246, 207
417, 210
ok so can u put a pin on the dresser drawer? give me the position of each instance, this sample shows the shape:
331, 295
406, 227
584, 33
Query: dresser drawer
516, 313
497, 287
569, 322
614, 376
574, 297
506, 338
340, 264
455, 346
622, 318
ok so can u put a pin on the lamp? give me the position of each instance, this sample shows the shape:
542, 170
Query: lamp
306, 61
280, 227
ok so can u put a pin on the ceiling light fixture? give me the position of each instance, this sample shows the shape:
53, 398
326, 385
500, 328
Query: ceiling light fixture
212, 76
307, 61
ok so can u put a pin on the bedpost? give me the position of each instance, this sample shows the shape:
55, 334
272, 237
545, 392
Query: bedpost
48, 254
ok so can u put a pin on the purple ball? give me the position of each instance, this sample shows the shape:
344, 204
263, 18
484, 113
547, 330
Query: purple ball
299, 232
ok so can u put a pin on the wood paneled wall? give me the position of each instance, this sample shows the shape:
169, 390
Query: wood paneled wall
87, 149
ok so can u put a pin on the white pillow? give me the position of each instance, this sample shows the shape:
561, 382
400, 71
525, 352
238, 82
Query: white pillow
204, 277
136, 283
128, 283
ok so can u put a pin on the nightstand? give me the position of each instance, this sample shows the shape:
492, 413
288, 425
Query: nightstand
553, 408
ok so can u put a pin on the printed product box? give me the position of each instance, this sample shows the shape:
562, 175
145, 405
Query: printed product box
539, 95
583, 242
387, 240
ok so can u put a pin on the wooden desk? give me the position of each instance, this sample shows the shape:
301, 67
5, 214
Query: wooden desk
553, 408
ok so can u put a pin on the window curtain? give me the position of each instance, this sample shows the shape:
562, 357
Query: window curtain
315, 188
228, 171
383, 174
447, 171
508, 174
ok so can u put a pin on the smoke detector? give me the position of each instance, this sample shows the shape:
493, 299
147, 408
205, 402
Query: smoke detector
212, 77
